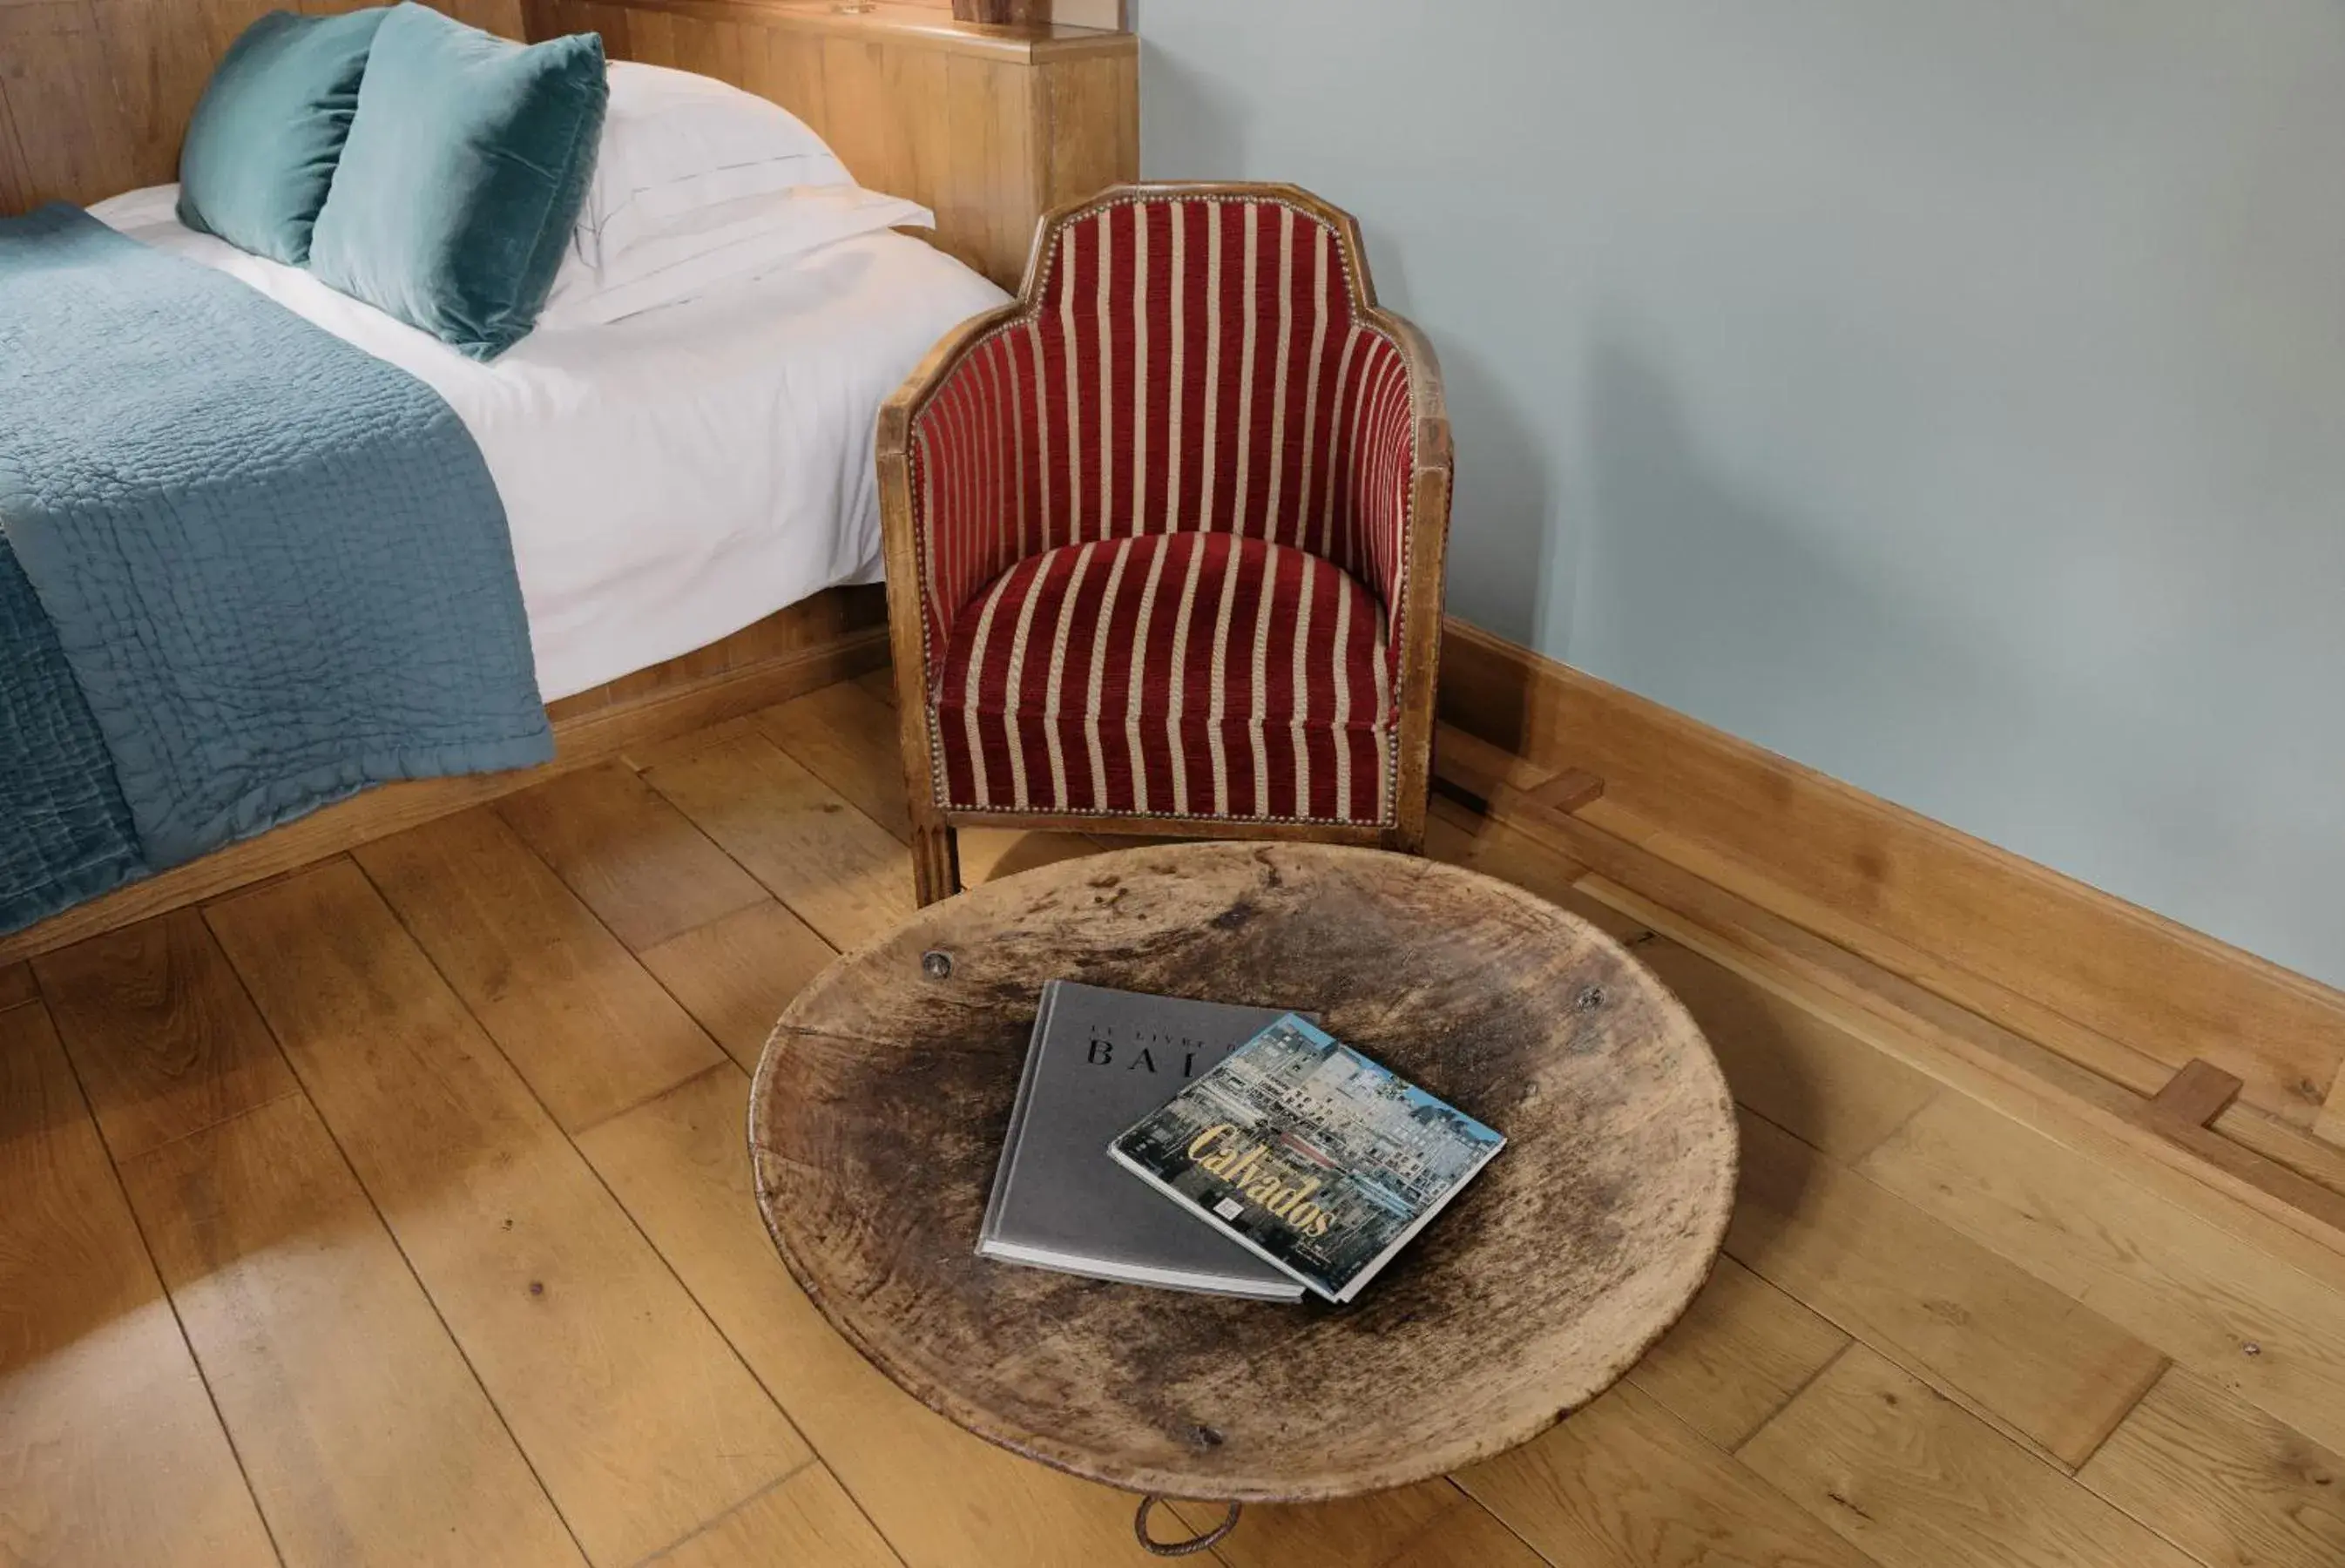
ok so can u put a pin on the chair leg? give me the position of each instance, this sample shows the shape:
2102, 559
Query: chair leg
936, 862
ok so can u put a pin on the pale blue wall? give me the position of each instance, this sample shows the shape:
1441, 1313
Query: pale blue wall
1948, 393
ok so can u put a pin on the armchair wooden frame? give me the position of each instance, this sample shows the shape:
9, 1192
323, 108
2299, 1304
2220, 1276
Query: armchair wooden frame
935, 855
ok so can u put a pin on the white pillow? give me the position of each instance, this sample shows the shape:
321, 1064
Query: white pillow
675, 143
726, 245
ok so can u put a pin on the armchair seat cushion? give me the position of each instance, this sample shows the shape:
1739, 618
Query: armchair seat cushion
1171, 675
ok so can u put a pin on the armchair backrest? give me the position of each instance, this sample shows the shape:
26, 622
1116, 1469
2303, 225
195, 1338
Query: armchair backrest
1183, 359
1203, 370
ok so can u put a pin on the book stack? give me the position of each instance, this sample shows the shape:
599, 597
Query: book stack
1203, 1146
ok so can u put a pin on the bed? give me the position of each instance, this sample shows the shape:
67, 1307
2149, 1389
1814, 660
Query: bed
671, 478
689, 491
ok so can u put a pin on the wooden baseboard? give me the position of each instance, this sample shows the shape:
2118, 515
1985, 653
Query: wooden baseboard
2166, 1133
834, 636
2123, 993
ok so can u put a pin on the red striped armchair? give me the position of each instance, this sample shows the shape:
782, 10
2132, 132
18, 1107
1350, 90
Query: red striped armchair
1165, 534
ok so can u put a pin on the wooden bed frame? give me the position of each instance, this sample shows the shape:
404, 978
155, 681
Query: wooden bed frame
988, 126
834, 636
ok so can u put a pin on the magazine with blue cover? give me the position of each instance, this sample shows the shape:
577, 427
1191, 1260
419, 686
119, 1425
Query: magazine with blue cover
1316, 1159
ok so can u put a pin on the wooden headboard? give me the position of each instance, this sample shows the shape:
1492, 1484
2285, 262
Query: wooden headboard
988, 126
96, 94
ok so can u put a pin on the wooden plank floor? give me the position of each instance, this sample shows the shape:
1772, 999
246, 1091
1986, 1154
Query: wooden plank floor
397, 1211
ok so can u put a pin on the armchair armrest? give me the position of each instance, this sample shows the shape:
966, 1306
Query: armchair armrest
1394, 506
953, 507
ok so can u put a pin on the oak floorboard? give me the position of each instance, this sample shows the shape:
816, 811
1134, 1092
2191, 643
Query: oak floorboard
1802, 1073
2330, 1125
1919, 1482
614, 1382
110, 1452
1468, 1536
2036, 1361
1352, 1533
808, 1519
849, 739
631, 858
637, 1417
942, 1498
2213, 1300
692, 743
2222, 1479
1433, 1525
1460, 838
364, 1435
839, 870
989, 854
1624, 1484
586, 1026
1739, 1353
165, 1040
1465, 759
737, 973
1799, 1070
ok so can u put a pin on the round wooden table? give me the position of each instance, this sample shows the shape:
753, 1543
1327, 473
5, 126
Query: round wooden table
880, 1107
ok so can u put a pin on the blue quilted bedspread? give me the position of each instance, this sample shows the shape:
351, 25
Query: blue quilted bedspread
245, 570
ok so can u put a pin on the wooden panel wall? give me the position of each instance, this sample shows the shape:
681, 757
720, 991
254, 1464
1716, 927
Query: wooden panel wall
1071, 12
95, 95
987, 127
990, 126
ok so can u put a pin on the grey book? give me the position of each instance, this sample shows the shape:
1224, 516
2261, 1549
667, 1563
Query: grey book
1100, 1061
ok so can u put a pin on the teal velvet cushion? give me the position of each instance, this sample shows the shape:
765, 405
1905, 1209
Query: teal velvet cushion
260, 150
462, 178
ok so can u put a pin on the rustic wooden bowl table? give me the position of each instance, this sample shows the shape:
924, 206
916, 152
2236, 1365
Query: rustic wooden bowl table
880, 1105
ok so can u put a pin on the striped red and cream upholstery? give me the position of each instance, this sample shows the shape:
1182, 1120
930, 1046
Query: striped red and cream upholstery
1191, 365
1171, 675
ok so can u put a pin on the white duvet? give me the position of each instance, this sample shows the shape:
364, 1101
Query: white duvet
674, 477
